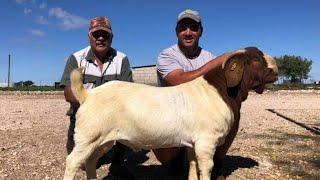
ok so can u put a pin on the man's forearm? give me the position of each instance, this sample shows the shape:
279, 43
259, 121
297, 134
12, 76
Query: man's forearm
218, 61
212, 64
179, 76
69, 95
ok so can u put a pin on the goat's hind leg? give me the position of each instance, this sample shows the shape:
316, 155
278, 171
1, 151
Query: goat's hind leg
93, 159
78, 156
193, 175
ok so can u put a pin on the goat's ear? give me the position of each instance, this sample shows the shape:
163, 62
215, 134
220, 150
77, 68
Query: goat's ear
234, 71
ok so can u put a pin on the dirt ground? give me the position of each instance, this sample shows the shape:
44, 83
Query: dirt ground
33, 129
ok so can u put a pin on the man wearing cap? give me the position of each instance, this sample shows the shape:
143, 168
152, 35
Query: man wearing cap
181, 63
101, 64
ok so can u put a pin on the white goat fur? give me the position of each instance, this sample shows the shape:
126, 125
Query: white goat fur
145, 117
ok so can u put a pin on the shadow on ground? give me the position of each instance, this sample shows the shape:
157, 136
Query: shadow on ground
232, 163
161, 172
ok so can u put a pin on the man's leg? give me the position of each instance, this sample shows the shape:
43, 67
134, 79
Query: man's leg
117, 167
174, 158
70, 138
164, 155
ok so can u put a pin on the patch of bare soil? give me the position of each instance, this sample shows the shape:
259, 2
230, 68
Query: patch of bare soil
33, 128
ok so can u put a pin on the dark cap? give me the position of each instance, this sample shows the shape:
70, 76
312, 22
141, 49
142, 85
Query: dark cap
100, 23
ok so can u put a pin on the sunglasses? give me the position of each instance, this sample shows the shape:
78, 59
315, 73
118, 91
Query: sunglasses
100, 33
192, 26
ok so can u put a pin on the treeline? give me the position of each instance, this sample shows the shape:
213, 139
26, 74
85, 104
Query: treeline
30, 88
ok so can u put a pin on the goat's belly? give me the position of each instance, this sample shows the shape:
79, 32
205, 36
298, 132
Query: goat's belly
154, 141
155, 132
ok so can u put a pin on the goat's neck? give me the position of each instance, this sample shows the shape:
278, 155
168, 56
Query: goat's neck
232, 96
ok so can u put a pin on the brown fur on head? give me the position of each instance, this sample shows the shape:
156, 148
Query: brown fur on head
252, 67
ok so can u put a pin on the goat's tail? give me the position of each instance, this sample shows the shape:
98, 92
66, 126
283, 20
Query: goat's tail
77, 85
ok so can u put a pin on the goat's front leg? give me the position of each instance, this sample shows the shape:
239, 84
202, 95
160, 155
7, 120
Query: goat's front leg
204, 149
223, 149
71, 168
193, 175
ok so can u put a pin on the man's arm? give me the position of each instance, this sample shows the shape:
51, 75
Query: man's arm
68, 95
126, 73
178, 76
65, 79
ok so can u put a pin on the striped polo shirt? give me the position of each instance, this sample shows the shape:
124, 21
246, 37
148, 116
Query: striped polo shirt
115, 67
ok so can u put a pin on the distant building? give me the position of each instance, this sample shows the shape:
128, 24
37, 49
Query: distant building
145, 74
57, 85
6, 84
317, 82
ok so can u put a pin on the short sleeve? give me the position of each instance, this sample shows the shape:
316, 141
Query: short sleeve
166, 63
211, 56
69, 67
126, 73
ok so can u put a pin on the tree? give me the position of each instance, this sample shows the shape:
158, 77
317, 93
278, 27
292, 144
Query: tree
28, 83
20, 83
294, 68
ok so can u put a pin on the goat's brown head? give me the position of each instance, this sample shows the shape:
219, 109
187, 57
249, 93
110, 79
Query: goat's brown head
250, 68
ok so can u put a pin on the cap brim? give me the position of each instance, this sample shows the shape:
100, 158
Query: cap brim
100, 28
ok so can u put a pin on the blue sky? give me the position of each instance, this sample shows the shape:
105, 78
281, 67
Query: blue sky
40, 35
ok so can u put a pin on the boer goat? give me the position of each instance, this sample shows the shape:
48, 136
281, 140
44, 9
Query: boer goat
197, 114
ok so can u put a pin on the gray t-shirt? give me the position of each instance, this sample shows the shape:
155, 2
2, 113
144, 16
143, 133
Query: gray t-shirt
172, 58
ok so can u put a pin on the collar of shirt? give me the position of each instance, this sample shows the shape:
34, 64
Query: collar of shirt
110, 55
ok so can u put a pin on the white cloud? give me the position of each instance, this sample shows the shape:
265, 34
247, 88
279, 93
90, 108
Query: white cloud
43, 5
37, 32
27, 11
42, 20
66, 20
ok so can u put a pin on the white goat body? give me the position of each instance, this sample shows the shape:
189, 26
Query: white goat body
146, 117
